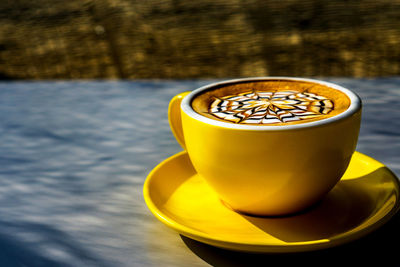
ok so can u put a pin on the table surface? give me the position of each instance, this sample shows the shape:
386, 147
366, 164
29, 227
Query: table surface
74, 157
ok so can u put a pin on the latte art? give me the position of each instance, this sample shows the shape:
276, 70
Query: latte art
270, 107
273, 102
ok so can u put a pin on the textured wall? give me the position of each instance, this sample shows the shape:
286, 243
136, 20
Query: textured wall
190, 39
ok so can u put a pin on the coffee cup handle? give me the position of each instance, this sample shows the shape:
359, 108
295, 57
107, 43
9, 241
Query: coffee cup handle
174, 117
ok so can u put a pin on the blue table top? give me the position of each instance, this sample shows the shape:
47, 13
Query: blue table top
75, 154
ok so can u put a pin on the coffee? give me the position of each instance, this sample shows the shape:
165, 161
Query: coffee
272, 102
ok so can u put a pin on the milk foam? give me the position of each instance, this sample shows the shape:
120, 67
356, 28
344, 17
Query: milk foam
270, 107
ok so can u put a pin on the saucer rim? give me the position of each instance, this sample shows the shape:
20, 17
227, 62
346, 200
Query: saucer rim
260, 247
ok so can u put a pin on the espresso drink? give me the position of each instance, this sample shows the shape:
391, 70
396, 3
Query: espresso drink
272, 102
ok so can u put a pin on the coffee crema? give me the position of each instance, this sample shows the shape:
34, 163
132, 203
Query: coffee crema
272, 102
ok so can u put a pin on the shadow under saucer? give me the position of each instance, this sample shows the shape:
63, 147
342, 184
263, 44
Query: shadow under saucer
379, 247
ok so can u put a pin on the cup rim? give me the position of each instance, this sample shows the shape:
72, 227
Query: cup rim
355, 105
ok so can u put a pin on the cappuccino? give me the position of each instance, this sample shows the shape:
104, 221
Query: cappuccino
272, 102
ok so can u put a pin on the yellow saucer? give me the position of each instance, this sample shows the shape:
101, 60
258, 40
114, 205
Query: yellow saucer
366, 197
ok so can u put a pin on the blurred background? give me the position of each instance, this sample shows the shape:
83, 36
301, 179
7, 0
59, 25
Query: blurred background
177, 39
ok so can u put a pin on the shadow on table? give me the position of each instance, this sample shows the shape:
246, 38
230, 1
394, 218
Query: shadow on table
14, 253
17, 251
380, 247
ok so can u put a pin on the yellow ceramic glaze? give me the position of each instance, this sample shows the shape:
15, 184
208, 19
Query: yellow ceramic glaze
366, 197
174, 117
272, 170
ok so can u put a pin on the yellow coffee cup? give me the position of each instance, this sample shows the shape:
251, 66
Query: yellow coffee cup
267, 170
